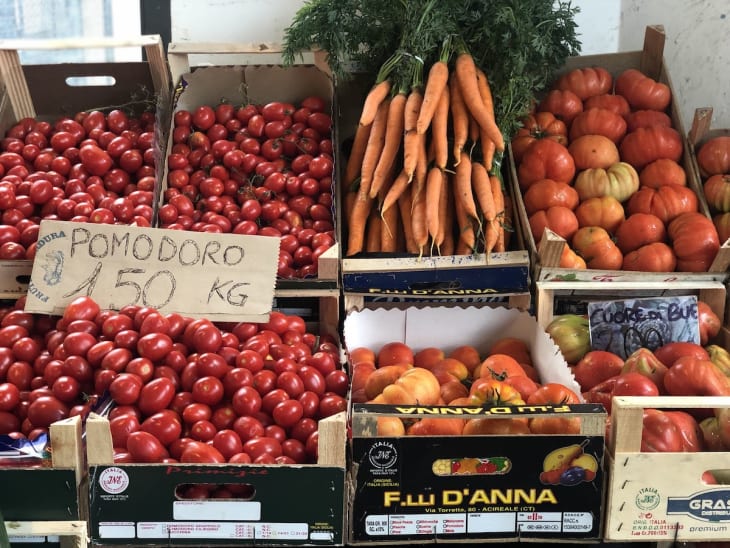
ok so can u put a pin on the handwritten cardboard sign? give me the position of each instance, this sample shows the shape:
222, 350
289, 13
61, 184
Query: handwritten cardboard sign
623, 326
217, 276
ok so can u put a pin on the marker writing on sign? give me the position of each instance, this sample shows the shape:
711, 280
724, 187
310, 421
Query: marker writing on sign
142, 248
674, 312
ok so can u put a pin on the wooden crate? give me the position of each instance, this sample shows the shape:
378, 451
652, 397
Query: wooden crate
70, 534
44, 92
546, 256
53, 501
257, 83
655, 497
401, 277
699, 133
321, 310
712, 292
125, 511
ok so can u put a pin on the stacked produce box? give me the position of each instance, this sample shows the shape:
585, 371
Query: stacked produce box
515, 456
46, 120
623, 239
96, 282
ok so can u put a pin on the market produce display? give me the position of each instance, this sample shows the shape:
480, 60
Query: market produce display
95, 167
672, 369
423, 174
399, 375
183, 389
598, 164
258, 170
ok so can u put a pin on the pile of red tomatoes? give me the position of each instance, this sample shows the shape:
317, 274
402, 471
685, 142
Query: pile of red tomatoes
93, 167
257, 170
184, 390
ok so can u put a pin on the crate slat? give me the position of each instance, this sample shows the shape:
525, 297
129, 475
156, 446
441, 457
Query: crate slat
74, 534
712, 293
66, 447
661, 496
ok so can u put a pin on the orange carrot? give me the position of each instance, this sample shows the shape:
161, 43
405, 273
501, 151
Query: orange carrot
499, 221
436, 82
404, 206
473, 130
483, 191
491, 237
462, 186
374, 98
443, 227
467, 239
411, 137
439, 130
434, 183
447, 246
389, 229
350, 197
485, 91
357, 152
391, 145
374, 147
396, 190
418, 219
466, 74
459, 118
357, 223
375, 228
419, 177
488, 148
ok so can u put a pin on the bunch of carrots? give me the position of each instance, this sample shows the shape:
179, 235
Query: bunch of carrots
423, 175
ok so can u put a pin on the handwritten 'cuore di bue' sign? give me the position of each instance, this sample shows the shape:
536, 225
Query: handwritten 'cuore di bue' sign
624, 326
217, 276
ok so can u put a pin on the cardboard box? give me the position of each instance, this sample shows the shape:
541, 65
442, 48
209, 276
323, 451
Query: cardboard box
50, 492
656, 497
45, 92
401, 492
259, 84
546, 257
140, 504
408, 278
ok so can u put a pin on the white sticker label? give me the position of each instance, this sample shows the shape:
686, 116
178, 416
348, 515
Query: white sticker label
114, 480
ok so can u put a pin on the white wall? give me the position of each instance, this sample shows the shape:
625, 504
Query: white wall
696, 51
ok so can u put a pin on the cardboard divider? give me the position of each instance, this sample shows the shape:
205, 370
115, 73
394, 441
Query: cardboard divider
545, 259
657, 497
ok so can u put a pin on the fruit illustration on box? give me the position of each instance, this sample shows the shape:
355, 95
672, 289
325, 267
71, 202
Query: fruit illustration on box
568, 466
471, 466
